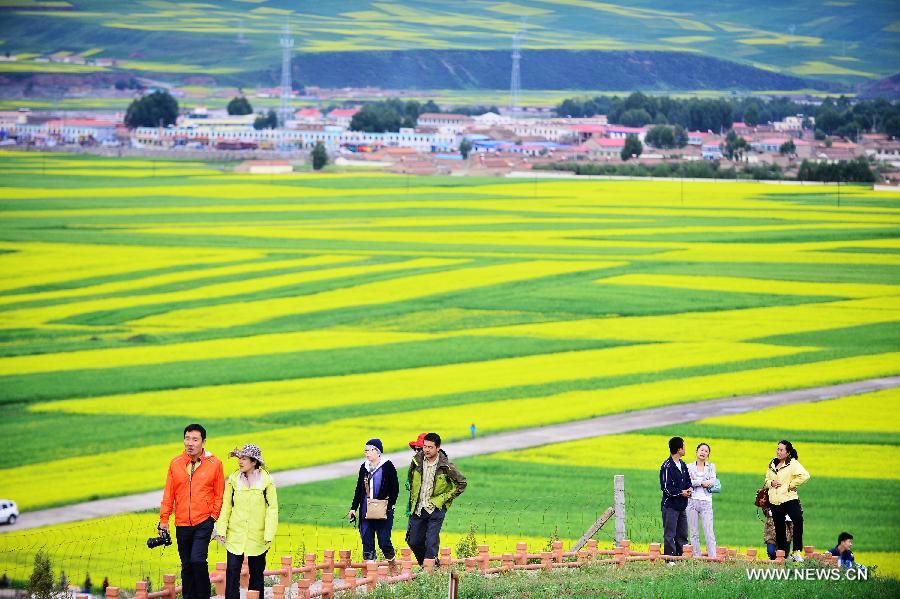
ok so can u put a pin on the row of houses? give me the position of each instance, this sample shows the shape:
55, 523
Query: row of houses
441, 133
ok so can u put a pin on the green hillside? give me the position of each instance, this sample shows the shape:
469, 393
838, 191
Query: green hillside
828, 40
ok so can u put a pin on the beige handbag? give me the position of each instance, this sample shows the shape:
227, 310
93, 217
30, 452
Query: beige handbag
376, 509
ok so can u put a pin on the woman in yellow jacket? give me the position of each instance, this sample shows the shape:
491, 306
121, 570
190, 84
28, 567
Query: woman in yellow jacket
248, 520
784, 475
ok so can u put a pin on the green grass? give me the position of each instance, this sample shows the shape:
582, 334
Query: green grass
636, 580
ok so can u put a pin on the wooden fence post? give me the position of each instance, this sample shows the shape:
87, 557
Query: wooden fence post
428, 564
654, 552
328, 560
287, 563
220, 578
470, 564
619, 556
483, 557
521, 553
619, 505
592, 548
310, 565
343, 562
303, 588
328, 584
687, 551
112, 592
245, 574
278, 591
558, 551
252, 594
751, 554
372, 575
169, 585
779, 556
446, 559
721, 554
140, 589
507, 561
349, 576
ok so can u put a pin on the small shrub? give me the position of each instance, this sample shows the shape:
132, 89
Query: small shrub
468, 545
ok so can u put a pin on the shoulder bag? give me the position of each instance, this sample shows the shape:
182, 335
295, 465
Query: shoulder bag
376, 509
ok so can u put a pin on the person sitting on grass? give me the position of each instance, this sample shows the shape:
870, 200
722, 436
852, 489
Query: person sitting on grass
842, 550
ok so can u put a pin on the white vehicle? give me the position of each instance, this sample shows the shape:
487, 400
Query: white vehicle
9, 511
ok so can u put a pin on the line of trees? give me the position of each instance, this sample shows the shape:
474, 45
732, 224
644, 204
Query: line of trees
835, 116
390, 115
853, 171
700, 169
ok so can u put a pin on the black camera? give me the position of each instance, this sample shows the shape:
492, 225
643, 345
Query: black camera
163, 539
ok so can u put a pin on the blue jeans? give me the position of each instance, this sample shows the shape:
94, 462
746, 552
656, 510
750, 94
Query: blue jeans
423, 534
369, 529
193, 548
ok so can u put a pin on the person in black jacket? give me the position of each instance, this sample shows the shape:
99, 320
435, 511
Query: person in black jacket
377, 478
675, 483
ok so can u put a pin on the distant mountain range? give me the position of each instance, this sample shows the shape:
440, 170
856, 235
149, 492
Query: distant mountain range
568, 44
540, 69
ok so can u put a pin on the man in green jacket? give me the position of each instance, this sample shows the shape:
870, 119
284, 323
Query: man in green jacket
434, 482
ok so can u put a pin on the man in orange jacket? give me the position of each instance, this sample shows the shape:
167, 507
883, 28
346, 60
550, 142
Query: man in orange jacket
195, 484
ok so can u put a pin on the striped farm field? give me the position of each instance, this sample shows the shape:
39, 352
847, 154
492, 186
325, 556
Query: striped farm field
310, 312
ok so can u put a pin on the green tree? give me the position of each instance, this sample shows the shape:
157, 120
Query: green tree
377, 118
788, 147
239, 105
153, 110
892, 126
681, 136
319, 156
266, 121
751, 115
430, 106
636, 117
465, 146
633, 147
40, 585
735, 146
661, 136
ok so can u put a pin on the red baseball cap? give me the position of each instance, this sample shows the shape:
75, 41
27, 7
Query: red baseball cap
417, 444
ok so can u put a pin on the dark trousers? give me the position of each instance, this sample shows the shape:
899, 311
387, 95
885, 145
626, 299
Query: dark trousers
424, 534
370, 529
675, 531
256, 563
193, 547
790, 508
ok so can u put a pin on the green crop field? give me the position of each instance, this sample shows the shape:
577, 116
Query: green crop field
310, 312
848, 40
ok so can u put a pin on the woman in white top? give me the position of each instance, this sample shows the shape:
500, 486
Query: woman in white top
703, 477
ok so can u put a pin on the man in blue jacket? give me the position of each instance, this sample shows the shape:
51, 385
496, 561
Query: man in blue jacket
675, 483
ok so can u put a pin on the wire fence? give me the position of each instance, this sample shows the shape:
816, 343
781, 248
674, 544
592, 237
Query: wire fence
115, 548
